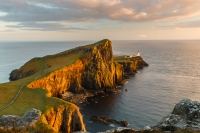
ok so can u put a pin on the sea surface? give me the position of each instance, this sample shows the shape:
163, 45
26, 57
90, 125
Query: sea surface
173, 74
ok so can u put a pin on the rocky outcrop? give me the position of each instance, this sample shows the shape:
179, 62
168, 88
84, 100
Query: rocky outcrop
108, 121
30, 118
25, 70
64, 119
186, 114
132, 66
96, 70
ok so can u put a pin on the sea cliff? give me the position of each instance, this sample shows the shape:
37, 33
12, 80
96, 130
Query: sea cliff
95, 71
79, 70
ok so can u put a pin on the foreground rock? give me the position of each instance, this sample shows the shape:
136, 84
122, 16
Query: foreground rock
108, 121
186, 115
30, 118
64, 119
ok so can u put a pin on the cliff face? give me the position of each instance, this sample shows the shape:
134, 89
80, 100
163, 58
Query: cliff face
59, 81
96, 71
133, 64
64, 119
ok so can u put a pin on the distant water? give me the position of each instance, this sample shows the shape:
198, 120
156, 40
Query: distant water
173, 74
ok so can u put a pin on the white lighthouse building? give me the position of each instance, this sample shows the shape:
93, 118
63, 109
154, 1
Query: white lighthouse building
138, 54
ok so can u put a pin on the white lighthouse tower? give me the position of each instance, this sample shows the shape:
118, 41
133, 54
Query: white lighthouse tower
138, 54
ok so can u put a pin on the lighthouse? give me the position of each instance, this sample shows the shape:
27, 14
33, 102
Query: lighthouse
138, 54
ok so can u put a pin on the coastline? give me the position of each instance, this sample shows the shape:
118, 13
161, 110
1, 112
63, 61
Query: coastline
30, 70
161, 77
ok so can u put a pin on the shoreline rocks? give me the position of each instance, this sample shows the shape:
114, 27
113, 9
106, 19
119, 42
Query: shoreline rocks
108, 121
77, 98
185, 115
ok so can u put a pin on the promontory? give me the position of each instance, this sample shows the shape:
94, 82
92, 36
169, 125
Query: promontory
33, 100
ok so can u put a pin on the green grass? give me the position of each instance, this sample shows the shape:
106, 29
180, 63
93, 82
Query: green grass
60, 62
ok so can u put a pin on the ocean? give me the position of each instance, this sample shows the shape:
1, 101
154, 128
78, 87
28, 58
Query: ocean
173, 74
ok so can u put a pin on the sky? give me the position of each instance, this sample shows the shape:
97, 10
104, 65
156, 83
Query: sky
64, 20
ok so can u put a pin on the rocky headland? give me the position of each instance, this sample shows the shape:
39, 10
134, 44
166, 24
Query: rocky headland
75, 74
95, 71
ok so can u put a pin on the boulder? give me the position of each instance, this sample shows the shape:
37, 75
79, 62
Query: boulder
29, 118
13, 121
184, 115
187, 108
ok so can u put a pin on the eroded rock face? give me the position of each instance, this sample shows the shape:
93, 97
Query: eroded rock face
186, 114
97, 71
30, 118
64, 119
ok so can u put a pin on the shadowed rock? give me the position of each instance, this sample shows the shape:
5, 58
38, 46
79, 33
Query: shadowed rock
12, 121
186, 114
108, 121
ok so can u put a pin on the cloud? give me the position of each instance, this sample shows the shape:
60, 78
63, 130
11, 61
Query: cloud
31, 12
45, 26
8, 31
190, 24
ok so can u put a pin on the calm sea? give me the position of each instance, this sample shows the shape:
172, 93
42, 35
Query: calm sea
173, 74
